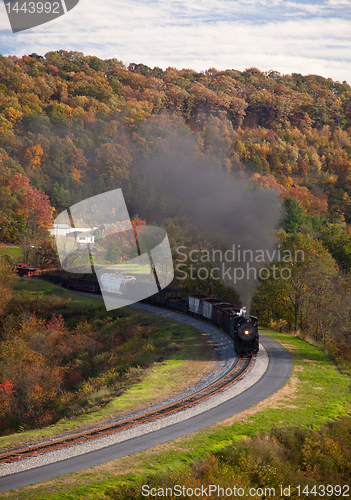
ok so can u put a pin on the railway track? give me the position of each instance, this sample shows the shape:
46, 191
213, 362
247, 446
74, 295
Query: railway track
233, 375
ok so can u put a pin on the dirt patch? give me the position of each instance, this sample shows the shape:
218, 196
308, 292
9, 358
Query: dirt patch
289, 347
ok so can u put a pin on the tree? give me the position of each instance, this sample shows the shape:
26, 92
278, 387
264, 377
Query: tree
18, 182
341, 166
36, 378
295, 215
268, 182
46, 254
12, 222
112, 161
6, 400
319, 276
338, 242
33, 156
312, 204
37, 211
304, 271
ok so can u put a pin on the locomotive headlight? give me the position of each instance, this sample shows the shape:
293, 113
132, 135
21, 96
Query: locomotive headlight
246, 332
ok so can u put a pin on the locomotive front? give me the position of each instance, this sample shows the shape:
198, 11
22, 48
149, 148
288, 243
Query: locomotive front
244, 332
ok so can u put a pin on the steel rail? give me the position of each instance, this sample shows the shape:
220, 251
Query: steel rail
235, 374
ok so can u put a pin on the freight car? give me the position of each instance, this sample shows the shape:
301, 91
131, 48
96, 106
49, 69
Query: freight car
26, 271
115, 283
233, 320
82, 285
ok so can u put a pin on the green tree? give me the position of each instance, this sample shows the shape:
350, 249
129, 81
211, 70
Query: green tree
295, 215
338, 242
304, 272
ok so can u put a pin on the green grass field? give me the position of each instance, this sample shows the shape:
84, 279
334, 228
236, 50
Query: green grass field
11, 251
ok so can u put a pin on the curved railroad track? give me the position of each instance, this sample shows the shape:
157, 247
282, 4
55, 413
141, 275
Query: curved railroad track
197, 414
235, 374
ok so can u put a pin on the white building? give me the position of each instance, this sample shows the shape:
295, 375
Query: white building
83, 235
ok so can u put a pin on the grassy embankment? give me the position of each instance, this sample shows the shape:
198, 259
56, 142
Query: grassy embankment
14, 252
187, 357
316, 393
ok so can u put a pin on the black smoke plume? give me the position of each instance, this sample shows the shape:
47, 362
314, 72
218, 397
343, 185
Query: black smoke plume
217, 202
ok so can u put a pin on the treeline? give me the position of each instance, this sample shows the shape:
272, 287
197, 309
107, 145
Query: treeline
313, 299
77, 125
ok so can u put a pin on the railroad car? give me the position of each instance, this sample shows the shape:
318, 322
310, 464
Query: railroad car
26, 271
115, 283
179, 305
56, 280
163, 297
231, 319
82, 285
133, 291
195, 304
218, 313
207, 307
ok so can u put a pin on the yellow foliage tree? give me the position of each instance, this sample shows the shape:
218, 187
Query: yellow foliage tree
33, 156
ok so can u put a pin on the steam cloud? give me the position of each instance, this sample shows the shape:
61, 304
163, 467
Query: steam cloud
214, 201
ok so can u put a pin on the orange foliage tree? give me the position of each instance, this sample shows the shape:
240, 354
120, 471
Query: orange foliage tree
312, 204
269, 183
37, 210
33, 156
18, 182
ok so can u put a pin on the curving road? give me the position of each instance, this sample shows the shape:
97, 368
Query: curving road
278, 371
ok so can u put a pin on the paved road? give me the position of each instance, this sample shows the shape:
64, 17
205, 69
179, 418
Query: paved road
277, 373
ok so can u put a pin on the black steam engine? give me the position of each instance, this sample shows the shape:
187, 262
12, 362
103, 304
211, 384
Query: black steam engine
245, 335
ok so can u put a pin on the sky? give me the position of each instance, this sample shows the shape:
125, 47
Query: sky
307, 37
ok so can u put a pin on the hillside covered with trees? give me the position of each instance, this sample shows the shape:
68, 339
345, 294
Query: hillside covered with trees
76, 125
73, 126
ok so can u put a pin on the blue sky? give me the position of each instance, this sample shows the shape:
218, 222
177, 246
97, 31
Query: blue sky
308, 37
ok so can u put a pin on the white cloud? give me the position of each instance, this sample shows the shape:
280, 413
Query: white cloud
199, 35
339, 3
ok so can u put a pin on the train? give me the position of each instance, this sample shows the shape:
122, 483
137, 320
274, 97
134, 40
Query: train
242, 328
232, 319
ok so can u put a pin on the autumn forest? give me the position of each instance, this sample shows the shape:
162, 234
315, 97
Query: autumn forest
73, 126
